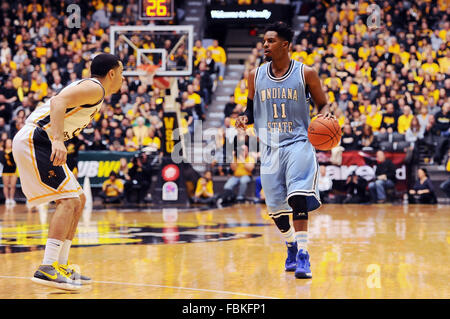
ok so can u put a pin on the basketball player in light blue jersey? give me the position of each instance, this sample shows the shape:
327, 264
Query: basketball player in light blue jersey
278, 105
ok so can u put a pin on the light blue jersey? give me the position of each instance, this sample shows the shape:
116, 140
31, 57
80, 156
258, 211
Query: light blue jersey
288, 160
281, 107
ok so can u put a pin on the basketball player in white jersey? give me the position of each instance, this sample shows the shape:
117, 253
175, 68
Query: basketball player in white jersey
41, 155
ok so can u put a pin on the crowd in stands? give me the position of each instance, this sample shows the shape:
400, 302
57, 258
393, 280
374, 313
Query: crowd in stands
40, 54
388, 86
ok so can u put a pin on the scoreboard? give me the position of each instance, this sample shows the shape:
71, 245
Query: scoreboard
156, 9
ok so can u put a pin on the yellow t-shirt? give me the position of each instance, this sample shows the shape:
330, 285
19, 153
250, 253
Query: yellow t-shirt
199, 189
379, 49
200, 54
404, 56
131, 148
353, 90
239, 97
404, 122
338, 49
327, 81
155, 140
195, 97
444, 64
297, 55
42, 88
40, 51
364, 53
240, 167
430, 68
394, 48
218, 54
361, 29
374, 121
110, 191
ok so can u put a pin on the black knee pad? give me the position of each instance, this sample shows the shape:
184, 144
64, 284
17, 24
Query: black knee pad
282, 222
300, 216
299, 207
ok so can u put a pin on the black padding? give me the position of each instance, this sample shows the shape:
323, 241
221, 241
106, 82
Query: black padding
282, 223
299, 207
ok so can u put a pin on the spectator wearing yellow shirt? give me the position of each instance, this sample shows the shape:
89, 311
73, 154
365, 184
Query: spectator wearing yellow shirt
140, 131
9, 63
196, 99
380, 48
430, 67
240, 94
199, 51
374, 119
39, 87
444, 63
130, 141
219, 56
445, 30
152, 140
204, 192
40, 49
332, 77
112, 190
404, 120
299, 54
404, 55
338, 48
346, 13
242, 167
364, 51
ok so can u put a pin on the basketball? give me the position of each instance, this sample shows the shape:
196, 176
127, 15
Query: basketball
324, 133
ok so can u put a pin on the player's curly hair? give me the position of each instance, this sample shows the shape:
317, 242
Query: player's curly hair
282, 29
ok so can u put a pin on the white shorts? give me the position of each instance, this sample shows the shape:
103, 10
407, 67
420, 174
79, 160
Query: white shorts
41, 181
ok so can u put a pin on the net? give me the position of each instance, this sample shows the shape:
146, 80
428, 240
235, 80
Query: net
148, 73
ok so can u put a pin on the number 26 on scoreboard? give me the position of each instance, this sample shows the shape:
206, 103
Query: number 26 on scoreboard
157, 8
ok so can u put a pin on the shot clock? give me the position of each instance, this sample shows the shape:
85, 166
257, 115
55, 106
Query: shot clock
156, 9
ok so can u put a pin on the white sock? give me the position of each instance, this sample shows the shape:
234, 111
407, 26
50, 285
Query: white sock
52, 249
64, 254
301, 237
289, 235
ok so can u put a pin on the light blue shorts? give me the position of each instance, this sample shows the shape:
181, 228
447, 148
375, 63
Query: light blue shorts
287, 171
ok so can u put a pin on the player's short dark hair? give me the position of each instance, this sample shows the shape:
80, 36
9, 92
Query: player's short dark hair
282, 29
102, 63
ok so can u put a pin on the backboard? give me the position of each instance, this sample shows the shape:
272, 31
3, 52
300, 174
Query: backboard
170, 47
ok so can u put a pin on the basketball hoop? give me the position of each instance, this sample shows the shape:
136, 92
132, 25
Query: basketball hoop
149, 71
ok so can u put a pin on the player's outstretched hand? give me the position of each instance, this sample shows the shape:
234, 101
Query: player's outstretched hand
241, 122
59, 153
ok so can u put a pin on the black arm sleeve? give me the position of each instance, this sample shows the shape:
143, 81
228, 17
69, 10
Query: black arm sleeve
249, 112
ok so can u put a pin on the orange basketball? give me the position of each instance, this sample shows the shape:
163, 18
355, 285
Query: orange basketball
324, 133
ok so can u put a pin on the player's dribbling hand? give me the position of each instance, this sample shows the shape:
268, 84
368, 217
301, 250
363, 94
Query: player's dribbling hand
241, 122
59, 153
327, 115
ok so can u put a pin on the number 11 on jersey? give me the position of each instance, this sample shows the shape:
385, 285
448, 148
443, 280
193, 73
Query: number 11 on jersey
283, 111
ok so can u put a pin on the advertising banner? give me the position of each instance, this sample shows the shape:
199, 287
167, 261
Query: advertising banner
364, 164
97, 165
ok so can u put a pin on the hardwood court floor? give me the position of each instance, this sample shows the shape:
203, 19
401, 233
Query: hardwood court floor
378, 251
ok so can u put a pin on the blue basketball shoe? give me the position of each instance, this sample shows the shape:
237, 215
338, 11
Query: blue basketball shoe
291, 262
303, 269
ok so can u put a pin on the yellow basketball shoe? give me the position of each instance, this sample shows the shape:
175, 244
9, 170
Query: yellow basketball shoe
74, 275
53, 276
